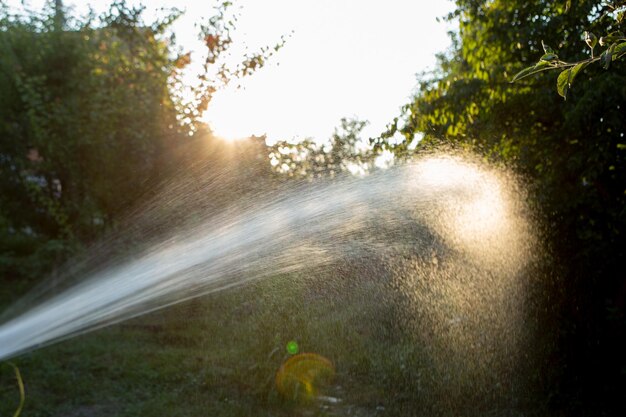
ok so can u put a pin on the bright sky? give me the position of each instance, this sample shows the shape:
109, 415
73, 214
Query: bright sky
345, 58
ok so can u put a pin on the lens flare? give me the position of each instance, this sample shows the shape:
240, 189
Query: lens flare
292, 347
302, 376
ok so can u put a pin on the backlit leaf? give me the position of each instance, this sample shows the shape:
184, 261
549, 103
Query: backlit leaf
619, 50
540, 66
549, 57
566, 78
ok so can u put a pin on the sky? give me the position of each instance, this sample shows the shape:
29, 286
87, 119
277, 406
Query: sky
343, 58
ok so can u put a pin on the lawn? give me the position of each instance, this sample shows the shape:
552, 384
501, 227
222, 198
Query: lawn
219, 355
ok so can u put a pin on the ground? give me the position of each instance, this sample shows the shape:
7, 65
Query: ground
219, 355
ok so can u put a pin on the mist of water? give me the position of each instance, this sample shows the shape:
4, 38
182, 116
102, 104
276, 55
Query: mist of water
472, 210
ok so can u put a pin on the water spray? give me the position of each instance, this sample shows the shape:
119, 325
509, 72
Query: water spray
471, 209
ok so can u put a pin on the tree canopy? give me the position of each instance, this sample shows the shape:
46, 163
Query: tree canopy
572, 153
91, 115
345, 152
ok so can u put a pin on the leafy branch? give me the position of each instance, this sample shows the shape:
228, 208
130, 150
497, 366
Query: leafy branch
615, 43
217, 71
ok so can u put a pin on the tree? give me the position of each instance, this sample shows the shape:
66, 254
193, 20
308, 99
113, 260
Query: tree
614, 44
345, 151
571, 152
91, 119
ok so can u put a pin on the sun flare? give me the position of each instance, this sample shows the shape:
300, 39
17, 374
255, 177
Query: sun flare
229, 118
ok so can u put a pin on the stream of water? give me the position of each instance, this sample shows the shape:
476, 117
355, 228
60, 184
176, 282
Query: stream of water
471, 209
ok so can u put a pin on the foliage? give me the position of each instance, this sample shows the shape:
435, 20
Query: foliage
91, 117
84, 110
217, 72
219, 356
346, 151
615, 48
571, 153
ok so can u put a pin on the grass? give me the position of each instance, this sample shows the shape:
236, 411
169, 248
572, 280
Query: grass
218, 356
214, 356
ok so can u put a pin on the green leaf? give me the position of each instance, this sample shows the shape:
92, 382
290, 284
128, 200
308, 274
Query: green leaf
523, 73
566, 78
619, 50
577, 68
549, 57
611, 37
607, 57
538, 67
563, 82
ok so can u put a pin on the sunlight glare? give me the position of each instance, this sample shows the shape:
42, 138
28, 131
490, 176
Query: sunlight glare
232, 120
